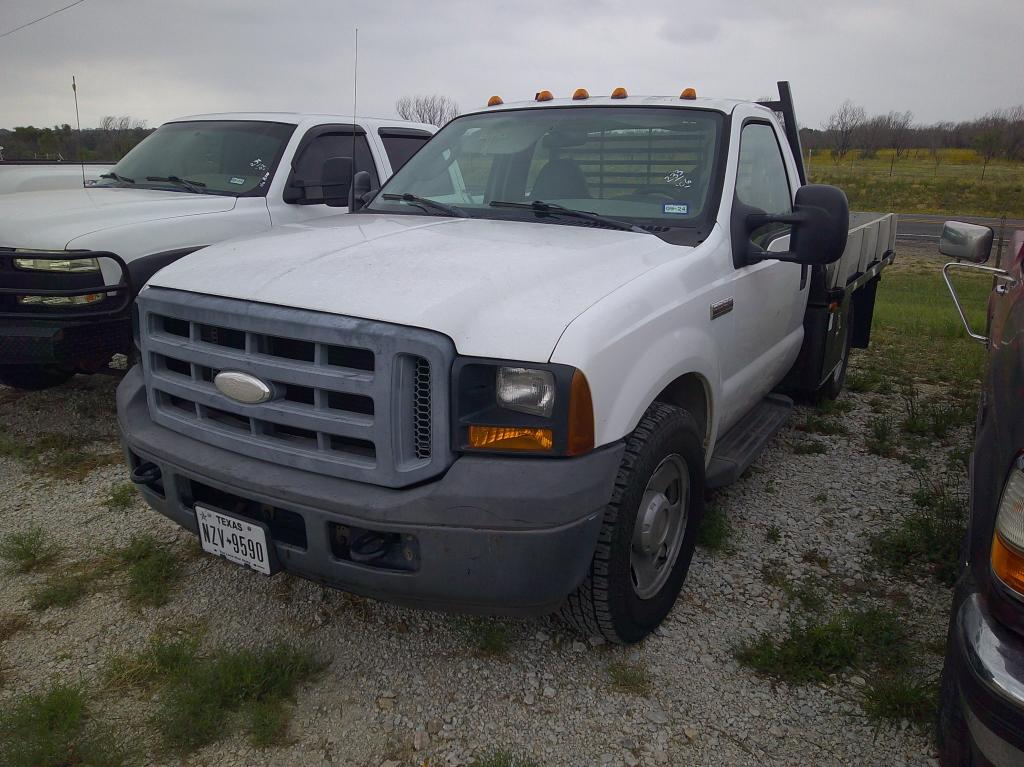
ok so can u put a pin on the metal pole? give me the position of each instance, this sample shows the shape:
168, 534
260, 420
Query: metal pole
74, 88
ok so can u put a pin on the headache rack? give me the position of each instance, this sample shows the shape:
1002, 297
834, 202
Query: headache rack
17, 282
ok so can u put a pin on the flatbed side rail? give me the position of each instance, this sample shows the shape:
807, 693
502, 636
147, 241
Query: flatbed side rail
117, 295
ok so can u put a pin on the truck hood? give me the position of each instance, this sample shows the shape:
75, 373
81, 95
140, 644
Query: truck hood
496, 288
50, 220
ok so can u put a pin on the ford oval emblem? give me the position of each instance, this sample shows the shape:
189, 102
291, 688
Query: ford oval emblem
242, 387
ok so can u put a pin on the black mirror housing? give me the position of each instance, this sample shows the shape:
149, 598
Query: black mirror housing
360, 190
820, 227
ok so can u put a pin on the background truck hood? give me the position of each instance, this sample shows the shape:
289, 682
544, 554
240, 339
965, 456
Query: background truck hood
50, 220
496, 288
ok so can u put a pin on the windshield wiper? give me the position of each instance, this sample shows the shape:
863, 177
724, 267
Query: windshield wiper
427, 204
193, 186
117, 177
539, 206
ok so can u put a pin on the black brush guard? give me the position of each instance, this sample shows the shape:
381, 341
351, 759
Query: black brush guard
16, 282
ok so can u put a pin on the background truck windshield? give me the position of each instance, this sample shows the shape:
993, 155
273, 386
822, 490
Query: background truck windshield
213, 156
646, 165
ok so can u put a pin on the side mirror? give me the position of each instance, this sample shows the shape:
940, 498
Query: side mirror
820, 227
360, 189
336, 176
966, 242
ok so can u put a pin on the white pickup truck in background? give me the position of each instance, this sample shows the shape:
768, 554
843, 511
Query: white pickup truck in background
503, 382
71, 260
42, 176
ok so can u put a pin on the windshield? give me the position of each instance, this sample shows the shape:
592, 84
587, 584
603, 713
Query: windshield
648, 166
210, 156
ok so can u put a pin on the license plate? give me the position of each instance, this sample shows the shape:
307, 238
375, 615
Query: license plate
237, 540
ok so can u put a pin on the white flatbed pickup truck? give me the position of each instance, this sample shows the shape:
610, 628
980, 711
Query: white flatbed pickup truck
42, 176
71, 260
504, 383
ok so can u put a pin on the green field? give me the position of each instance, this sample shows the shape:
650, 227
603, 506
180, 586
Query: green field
916, 183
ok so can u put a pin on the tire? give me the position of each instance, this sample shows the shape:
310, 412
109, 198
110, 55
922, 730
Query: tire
951, 731
833, 387
624, 595
34, 377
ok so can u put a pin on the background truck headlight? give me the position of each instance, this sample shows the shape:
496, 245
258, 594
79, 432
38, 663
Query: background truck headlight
63, 265
1008, 540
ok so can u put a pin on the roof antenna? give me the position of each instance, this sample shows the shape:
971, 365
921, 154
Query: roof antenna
355, 93
74, 88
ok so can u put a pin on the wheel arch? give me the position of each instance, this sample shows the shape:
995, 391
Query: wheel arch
691, 392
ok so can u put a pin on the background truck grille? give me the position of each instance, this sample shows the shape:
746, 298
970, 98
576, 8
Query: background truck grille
351, 398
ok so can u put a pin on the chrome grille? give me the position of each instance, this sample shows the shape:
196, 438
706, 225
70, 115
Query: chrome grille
351, 398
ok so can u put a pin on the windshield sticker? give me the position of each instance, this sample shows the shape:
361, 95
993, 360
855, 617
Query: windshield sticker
236, 180
677, 208
679, 178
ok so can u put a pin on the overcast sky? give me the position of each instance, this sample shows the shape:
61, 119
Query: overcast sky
157, 59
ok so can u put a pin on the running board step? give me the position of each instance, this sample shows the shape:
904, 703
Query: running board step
744, 442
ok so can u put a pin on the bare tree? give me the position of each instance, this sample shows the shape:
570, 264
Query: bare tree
870, 136
841, 126
119, 134
897, 129
988, 138
434, 109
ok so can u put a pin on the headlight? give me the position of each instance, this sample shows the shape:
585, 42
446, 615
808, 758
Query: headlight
508, 408
1008, 541
89, 298
65, 265
526, 390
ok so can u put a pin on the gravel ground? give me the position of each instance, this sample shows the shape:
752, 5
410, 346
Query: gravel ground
406, 687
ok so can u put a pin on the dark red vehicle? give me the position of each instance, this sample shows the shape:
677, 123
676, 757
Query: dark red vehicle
981, 717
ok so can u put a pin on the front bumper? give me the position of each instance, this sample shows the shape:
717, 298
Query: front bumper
81, 345
989, 659
493, 534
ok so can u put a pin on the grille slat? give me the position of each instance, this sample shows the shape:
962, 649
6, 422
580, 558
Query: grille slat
353, 398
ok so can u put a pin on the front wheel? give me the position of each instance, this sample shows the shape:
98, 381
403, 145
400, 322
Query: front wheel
33, 377
648, 532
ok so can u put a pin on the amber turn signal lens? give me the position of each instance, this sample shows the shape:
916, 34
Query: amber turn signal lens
688, 93
543, 96
581, 417
1007, 564
510, 438
619, 93
494, 101
579, 94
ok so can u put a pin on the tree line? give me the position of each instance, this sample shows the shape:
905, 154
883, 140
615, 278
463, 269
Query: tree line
108, 143
998, 134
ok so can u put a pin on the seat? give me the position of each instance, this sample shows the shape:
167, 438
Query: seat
560, 179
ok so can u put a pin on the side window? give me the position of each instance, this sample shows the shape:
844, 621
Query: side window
323, 169
761, 179
400, 146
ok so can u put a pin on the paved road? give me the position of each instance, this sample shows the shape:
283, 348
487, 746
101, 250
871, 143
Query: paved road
922, 228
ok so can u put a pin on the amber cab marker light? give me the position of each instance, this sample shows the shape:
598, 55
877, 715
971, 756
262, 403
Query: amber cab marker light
688, 94
1008, 564
543, 96
619, 93
494, 101
579, 94
510, 438
581, 416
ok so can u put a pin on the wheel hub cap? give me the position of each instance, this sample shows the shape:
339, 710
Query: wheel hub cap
660, 526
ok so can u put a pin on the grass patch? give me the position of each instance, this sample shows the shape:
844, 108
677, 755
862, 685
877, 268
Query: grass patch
819, 424
881, 437
714, 531
58, 455
810, 447
120, 497
152, 570
814, 650
503, 758
53, 730
202, 696
62, 590
12, 624
900, 696
931, 534
489, 636
29, 550
630, 678
809, 594
773, 534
